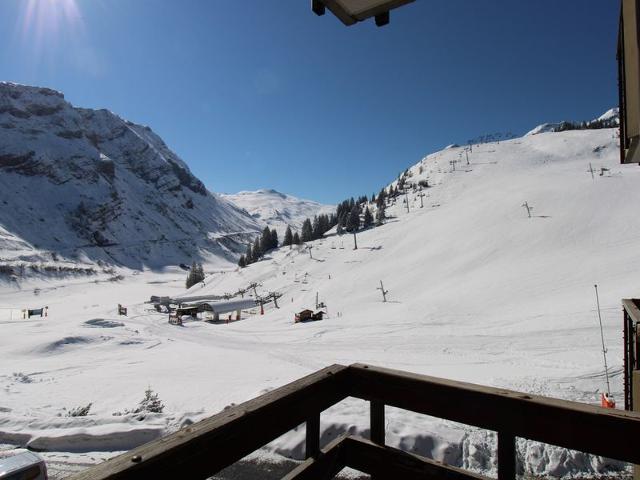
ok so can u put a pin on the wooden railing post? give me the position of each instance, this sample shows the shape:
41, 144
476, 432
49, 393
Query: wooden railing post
312, 444
377, 422
506, 456
376, 426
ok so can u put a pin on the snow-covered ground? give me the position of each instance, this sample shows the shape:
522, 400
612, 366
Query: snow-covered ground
278, 210
478, 292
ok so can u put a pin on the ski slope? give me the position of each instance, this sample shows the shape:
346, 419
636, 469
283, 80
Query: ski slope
479, 292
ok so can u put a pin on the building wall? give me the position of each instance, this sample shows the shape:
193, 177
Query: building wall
629, 63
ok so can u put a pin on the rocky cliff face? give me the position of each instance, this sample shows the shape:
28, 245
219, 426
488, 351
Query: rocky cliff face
87, 185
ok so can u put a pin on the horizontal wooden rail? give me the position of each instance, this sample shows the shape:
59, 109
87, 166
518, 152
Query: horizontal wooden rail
572, 425
386, 462
206, 447
376, 460
324, 466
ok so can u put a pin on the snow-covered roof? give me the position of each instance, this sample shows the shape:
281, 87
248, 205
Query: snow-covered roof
230, 306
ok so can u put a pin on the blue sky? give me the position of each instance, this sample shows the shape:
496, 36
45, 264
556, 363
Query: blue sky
264, 94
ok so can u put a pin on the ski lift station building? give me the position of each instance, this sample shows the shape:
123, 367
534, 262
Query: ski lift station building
220, 308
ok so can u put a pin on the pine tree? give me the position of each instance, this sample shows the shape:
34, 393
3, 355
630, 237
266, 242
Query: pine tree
288, 237
151, 403
307, 231
316, 228
249, 255
190, 283
265, 240
195, 275
381, 214
242, 262
200, 273
353, 220
274, 239
368, 218
296, 239
257, 251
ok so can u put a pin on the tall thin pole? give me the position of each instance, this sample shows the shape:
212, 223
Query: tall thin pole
406, 199
604, 350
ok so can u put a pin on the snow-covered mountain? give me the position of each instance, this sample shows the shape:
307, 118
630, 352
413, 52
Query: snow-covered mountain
608, 119
277, 210
611, 114
81, 185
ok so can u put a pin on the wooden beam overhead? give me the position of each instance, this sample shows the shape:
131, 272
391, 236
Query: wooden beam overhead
350, 12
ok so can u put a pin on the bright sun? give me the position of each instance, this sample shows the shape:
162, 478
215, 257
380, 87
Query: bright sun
45, 17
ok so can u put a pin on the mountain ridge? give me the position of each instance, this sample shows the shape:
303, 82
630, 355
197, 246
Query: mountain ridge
90, 186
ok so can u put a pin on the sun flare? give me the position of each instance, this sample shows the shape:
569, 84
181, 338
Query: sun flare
44, 18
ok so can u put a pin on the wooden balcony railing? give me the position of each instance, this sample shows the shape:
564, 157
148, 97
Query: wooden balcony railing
631, 314
204, 448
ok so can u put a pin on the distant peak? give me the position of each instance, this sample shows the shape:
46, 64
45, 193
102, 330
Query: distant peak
613, 113
609, 119
264, 191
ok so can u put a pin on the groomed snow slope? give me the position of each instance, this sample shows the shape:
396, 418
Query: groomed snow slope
278, 210
478, 292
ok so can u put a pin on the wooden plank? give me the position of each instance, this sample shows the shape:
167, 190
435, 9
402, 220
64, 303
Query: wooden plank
377, 423
566, 424
387, 462
506, 456
326, 465
206, 447
381, 8
339, 12
312, 443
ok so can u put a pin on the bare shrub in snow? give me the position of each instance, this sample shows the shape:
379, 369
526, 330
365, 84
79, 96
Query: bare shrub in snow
151, 403
21, 377
79, 411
